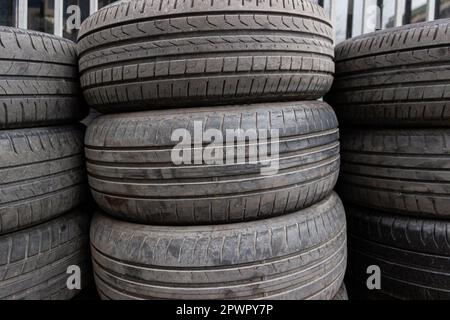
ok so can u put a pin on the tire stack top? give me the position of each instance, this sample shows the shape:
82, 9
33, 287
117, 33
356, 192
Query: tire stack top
228, 66
396, 170
42, 175
141, 55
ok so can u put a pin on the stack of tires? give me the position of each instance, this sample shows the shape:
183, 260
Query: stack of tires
394, 84
212, 230
42, 170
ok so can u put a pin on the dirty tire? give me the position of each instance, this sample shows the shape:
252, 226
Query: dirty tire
396, 77
42, 174
141, 55
413, 254
398, 171
133, 177
39, 83
342, 294
297, 256
34, 261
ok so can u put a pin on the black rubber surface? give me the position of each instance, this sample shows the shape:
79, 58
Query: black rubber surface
42, 174
39, 82
413, 254
297, 256
401, 171
396, 77
132, 174
34, 261
145, 54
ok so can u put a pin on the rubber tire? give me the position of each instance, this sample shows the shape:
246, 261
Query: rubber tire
398, 171
132, 175
39, 83
298, 256
34, 261
141, 55
342, 295
42, 175
413, 254
396, 77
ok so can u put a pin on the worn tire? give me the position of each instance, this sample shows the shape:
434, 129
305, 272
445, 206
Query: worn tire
141, 55
39, 83
413, 254
298, 256
42, 175
398, 171
396, 77
34, 261
342, 295
133, 177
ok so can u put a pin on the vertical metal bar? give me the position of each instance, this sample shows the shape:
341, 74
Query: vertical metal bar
349, 31
15, 13
93, 6
22, 14
437, 12
364, 17
59, 18
408, 12
380, 5
431, 10
333, 11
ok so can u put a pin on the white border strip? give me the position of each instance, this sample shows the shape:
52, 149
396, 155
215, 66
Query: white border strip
431, 10
22, 14
59, 18
93, 6
399, 12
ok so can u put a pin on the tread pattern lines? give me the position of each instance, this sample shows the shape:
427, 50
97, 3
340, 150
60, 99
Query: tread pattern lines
34, 262
403, 171
302, 255
396, 78
42, 175
413, 254
39, 83
135, 58
132, 175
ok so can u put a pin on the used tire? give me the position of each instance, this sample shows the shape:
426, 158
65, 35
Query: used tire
140, 55
34, 261
39, 83
42, 175
132, 174
298, 256
413, 254
398, 171
396, 77
342, 294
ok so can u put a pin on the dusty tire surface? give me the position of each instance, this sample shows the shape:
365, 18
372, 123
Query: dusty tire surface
413, 254
42, 174
298, 256
34, 261
133, 177
396, 77
398, 171
342, 295
39, 83
141, 55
